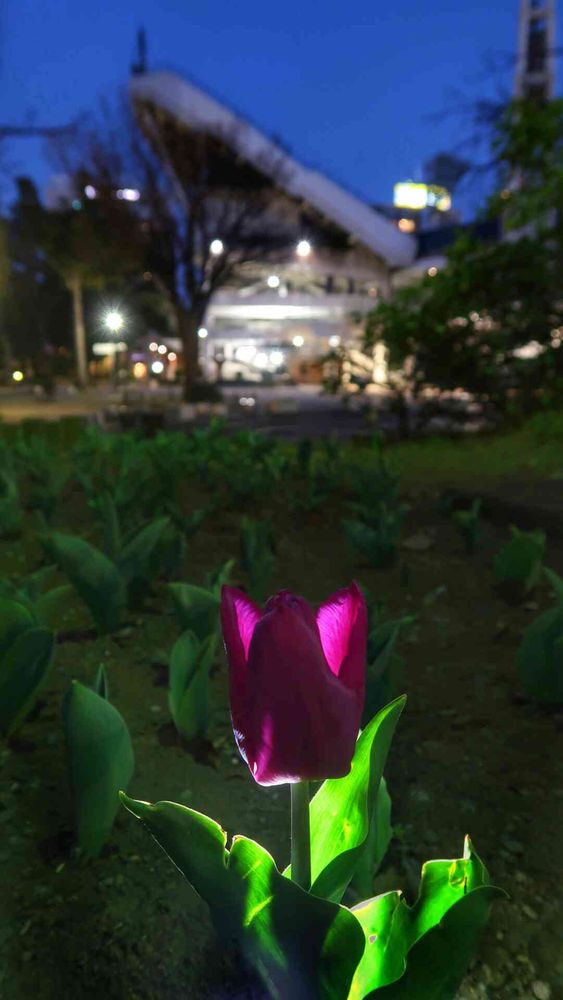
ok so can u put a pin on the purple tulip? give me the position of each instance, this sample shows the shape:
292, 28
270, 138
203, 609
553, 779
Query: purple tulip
297, 682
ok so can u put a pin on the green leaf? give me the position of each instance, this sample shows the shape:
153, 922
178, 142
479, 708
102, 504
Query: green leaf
188, 696
217, 578
110, 525
377, 842
95, 578
197, 609
556, 582
384, 666
15, 618
49, 606
540, 657
392, 928
377, 544
302, 946
9, 589
257, 555
10, 507
101, 685
34, 584
135, 558
342, 810
100, 757
24, 667
520, 560
439, 960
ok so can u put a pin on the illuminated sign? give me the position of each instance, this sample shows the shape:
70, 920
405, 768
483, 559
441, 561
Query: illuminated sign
407, 194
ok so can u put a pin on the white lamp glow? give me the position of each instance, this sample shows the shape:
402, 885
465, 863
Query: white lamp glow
303, 248
114, 321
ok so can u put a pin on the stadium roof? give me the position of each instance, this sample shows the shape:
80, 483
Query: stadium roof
198, 110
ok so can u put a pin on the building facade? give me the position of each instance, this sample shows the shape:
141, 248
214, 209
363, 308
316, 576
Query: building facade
284, 313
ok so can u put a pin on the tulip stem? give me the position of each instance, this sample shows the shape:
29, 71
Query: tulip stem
300, 835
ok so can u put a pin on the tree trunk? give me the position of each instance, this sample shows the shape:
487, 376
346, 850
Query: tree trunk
75, 286
188, 323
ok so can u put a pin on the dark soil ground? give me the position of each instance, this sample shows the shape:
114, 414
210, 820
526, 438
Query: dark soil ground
470, 756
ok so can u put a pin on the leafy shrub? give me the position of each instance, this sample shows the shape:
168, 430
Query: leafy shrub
100, 760
93, 575
107, 583
197, 608
378, 538
10, 505
44, 603
517, 566
26, 655
468, 524
257, 556
539, 659
45, 473
384, 668
188, 694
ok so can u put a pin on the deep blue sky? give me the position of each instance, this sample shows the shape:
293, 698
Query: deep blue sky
352, 87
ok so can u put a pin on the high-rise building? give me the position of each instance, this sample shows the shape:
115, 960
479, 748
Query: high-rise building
535, 65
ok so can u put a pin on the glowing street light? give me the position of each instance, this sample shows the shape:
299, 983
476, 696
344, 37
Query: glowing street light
114, 321
128, 194
273, 281
303, 248
202, 333
216, 248
298, 341
157, 367
162, 348
17, 376
334, 341
153, 346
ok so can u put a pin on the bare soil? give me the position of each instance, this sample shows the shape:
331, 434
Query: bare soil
471, 755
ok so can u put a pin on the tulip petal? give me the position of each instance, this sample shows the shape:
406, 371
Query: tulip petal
239, 616
247, 613
341, 619
301, 721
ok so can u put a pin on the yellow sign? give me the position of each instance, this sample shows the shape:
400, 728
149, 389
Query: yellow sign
408, 194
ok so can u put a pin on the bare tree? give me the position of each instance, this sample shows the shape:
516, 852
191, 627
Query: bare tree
203, 210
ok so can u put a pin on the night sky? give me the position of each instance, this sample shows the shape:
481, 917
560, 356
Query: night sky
353, 87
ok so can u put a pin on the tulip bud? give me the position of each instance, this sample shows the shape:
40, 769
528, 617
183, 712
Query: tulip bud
297, 682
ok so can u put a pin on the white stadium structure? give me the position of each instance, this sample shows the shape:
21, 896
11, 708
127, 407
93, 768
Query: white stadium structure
283, 312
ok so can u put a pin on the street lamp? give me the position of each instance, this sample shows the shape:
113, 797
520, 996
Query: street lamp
303, 248
114, 321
